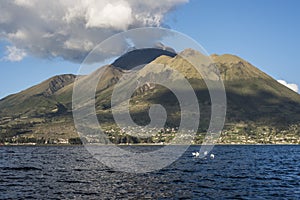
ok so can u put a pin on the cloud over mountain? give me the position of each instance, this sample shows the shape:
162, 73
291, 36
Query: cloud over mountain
71, 28
292, 86
14, 54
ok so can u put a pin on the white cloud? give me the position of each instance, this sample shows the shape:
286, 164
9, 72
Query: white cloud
77, 45
292, 86
26, 3
71, 28
117, 15
19, 35
14, 54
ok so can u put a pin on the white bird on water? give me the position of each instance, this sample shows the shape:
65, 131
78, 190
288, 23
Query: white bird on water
196, 154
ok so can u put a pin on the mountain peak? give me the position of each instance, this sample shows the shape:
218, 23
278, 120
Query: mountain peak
139, 57
227, 58
233, 67
189, 52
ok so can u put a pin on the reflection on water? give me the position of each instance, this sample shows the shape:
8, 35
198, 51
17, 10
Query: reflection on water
249, 172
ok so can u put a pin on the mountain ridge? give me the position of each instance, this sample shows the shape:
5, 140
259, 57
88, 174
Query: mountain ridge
256, 102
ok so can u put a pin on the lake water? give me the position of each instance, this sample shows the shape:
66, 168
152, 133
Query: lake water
69, 172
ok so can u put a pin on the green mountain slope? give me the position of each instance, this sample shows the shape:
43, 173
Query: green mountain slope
37, 100
259, 109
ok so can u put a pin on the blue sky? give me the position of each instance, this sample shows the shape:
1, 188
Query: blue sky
263, 32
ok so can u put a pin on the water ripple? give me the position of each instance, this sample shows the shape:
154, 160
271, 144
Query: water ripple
237, 172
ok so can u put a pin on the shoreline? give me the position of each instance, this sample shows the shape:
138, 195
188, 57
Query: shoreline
144, 144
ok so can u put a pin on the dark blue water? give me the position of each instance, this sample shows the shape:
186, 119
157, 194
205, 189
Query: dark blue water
237, 172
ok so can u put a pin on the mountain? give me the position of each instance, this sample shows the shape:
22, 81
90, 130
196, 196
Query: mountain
259, 109
141, 57
36, 100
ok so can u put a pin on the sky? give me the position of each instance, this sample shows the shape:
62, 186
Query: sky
40, 39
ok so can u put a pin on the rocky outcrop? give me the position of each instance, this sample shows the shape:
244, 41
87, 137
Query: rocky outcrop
59, 82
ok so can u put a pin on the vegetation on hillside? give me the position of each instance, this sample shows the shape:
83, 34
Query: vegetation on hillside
259, 109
